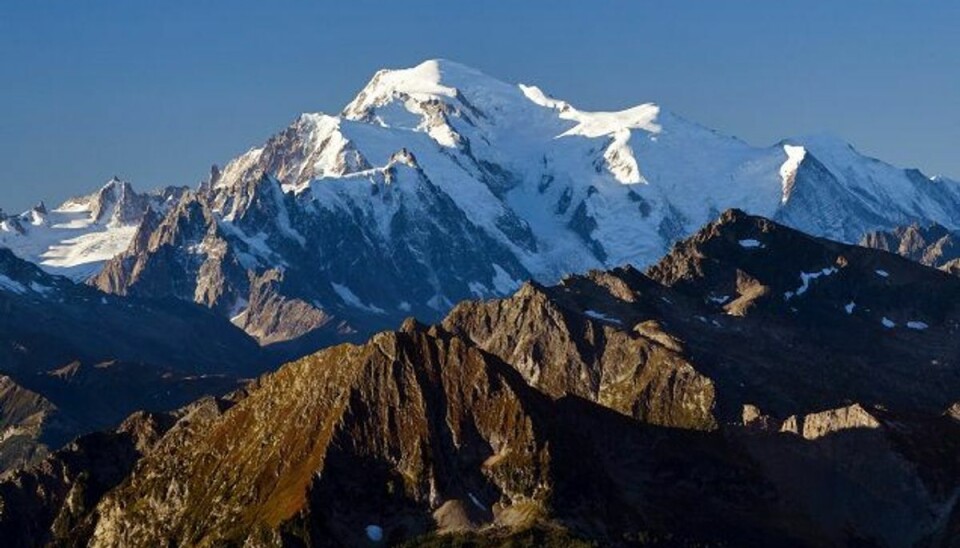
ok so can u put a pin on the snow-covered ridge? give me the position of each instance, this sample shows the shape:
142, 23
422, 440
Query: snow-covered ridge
77, 237
564, 190
460, 123
443, 170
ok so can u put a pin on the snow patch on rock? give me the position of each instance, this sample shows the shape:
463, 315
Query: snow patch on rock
806, 278
351, 299
602, 317
374, 533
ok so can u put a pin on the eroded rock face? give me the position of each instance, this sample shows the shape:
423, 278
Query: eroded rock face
439, 183
932, 245
817, 425
451, 422
617, 406
420, 430
564, 348
54, 502
25, 419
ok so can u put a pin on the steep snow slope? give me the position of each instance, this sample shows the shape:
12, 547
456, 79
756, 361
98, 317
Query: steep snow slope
623, 184
438, 183
77, 237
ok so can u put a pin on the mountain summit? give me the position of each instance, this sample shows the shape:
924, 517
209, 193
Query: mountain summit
439, 183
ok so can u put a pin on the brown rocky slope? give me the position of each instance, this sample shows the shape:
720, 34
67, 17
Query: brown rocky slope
730, 396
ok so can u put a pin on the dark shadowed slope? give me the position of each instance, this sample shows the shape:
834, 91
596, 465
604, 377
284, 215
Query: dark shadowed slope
74, 360
730, 396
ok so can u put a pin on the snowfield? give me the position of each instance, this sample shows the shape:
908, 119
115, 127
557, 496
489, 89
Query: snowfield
477, 184
75, 239
595, 189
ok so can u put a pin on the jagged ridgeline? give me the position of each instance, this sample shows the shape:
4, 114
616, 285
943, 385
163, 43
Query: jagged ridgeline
74, 360
439, 183
756, 387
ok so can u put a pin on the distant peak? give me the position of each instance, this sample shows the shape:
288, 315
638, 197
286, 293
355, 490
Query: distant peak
438, 70
734, 216
430, 79
405, 157
820, 141
116, 182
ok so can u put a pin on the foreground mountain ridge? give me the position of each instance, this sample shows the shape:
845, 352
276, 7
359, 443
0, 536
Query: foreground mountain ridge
731, 395
439, 183
75, 360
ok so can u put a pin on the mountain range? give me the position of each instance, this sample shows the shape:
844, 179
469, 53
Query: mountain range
504, 320
758, 386
76, 360
439, 183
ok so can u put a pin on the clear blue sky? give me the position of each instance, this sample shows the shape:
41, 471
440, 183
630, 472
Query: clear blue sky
157, 91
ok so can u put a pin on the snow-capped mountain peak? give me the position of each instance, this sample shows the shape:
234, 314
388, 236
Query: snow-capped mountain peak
440, 182
75, 238
428, 81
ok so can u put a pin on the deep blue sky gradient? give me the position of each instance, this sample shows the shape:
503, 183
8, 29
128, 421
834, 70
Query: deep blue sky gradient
157, 91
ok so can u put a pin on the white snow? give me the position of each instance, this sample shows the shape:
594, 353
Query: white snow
750, 243
476, 501
718, 300
12, 285
888, 323
805, 279
596, 158
351, 299
238, 309
70, 244
849, 307
620, 160
788, 171
9, 284
477, 289
235, 170
603, 317
917, 325
69, 240
41, 289
632, 171
498, 150
374, 533
882, 273
597, 124
502, 281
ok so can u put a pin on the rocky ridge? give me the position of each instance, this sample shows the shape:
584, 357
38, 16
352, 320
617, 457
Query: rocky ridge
64, 346
722, 397
933, 245
439, 183
77, 237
